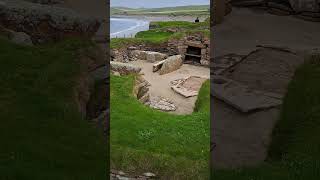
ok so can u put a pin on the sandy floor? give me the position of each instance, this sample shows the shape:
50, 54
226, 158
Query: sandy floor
160, 84
242, 139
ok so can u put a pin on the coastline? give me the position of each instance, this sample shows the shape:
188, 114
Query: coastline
143, 22
140, 25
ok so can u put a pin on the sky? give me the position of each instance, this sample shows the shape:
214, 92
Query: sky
157, 3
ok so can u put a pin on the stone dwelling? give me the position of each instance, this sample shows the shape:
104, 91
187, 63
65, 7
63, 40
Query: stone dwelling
194, 49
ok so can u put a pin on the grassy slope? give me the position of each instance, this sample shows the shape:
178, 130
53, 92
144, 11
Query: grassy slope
295, 151
42, 134
159, 34
180, 10
143, 139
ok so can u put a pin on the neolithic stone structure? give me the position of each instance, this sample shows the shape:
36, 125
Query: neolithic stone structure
194, 49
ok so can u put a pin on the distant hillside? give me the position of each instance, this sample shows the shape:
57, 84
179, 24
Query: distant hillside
175, 11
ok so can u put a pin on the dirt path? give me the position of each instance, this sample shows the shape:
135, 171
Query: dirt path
160, 84
242, 139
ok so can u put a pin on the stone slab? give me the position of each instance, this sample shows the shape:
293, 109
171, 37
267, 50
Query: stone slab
189, 87
241, 97
157, 66
124, 68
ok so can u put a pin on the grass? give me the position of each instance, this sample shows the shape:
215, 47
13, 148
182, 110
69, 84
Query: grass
154, 36
159, 33
174, 11
42, 133
179, 24
143, 139
294, 153
124, 42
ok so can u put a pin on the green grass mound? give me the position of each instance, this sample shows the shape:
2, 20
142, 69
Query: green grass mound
146, 140
42, 133
294, 153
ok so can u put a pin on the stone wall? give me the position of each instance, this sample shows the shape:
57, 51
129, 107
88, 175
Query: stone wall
198, 40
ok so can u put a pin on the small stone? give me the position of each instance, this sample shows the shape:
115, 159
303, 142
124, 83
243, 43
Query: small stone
149, 174
121, 173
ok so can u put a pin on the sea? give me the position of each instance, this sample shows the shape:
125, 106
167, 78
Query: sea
126, 27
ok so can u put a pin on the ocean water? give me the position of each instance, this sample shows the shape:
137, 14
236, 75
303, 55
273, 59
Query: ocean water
125, 27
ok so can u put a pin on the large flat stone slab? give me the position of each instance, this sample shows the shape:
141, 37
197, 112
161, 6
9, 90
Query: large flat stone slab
149, 56
268, 68
189, 87
224, 62
242, 97
124, 68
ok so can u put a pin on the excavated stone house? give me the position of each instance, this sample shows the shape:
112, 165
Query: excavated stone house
194, 49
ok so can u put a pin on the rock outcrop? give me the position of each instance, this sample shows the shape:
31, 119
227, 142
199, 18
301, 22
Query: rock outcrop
171, 64
45, 23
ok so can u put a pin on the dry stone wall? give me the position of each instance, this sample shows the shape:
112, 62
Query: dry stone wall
198, 40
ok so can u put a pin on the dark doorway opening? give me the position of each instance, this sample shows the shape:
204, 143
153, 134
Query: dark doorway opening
193, 55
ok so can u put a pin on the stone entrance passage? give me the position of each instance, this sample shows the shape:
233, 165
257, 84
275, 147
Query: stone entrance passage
193, 55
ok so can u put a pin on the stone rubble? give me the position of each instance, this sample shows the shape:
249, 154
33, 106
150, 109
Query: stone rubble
120, 175
46, 23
